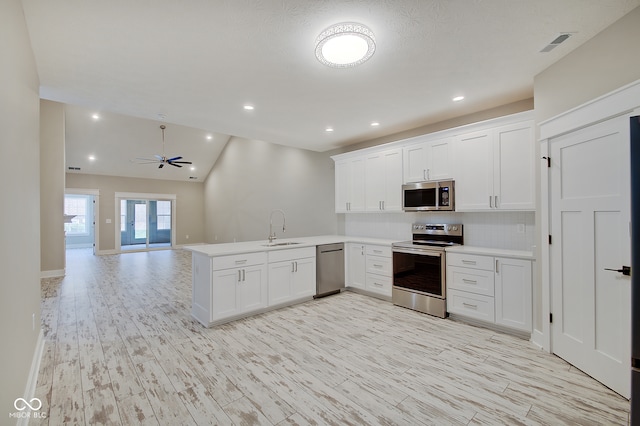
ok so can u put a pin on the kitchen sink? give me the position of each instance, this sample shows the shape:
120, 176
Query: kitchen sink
290, 243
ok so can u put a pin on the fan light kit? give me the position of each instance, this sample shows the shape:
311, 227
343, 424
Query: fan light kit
161, 160
345, 45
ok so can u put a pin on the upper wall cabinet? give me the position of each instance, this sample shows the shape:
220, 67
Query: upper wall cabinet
429, 160
383, 183
494, 169
350, 185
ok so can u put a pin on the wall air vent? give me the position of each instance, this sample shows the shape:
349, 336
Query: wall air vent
74, 168
556, 42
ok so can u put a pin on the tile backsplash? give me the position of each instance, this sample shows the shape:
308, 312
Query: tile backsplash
503, 230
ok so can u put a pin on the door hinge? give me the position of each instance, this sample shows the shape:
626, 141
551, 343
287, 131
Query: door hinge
548, 161
550, 318
549, 239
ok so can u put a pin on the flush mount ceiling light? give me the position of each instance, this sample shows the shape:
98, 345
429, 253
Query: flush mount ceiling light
345, 45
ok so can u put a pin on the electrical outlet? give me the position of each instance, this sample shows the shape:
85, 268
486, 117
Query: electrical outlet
521, 228
108, 221
215, 238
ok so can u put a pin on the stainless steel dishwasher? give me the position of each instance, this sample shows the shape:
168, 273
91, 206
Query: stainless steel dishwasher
329, 269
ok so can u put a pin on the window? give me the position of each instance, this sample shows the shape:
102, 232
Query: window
77, 206
164, 214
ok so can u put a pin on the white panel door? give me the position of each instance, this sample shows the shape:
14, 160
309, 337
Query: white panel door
514, 173
357, 190
440, 162
590, 214
280, 282
374, 181
252, 289
392, 200
414, 163
304, 278
224, 300
343, 185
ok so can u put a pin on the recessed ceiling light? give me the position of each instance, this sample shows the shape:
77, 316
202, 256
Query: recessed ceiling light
209, 137
193, 168
329, 129
458, 98
375, 123
92, 158
345, 45
95, 117
248, 107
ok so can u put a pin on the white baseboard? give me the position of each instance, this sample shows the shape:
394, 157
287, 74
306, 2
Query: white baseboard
106, 252
54, 273
32, 381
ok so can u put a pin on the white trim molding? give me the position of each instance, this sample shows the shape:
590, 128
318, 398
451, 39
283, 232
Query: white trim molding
32, 380
617, 102
55, 273
622, 101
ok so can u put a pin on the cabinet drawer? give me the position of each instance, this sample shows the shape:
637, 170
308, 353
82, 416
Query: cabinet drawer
291, 254
470, 261
470, 305
379, 251
471, 280
378, 284
378, 265
238, 260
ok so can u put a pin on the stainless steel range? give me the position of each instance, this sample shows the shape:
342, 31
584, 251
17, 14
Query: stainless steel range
419, 268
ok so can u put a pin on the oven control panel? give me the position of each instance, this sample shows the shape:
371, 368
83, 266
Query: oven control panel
437, 229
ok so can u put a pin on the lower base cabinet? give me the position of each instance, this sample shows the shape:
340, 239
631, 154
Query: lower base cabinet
369, 268
491, 289
292, 275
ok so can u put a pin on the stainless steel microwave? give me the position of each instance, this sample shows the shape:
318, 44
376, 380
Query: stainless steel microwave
428, 196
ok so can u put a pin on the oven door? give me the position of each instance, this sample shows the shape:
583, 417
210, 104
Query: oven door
419, 271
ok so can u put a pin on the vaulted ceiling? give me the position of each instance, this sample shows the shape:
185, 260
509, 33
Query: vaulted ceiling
194, 64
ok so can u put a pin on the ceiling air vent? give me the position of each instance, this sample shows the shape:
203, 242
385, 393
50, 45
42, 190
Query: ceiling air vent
556, 42
73, 168
193, 177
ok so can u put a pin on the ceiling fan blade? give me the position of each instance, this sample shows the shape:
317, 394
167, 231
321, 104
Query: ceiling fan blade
175, 165
179, 162
144, 159
159, 157
173, 159
161, 165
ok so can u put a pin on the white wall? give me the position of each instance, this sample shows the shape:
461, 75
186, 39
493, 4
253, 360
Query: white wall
251, 178
20, 212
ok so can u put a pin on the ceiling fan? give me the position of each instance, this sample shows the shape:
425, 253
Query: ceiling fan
161, 160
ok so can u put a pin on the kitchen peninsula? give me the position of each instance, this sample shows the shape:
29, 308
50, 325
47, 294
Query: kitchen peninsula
235, 280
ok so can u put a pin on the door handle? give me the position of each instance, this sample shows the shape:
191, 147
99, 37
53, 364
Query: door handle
626, 270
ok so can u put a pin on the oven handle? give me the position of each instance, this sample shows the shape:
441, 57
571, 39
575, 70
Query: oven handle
420, 252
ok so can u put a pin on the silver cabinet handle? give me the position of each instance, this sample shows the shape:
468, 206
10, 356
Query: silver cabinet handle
377, 266
424, 174
468, 281
244, 275
495, 201
239, 275
378, 284
469, 305
293, 267
241, 262
490, 201
296, 266
497, 267
469, 262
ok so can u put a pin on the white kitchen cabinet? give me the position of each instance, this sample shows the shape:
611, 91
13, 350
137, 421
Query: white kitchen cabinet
513, 293
491, 289
292, 275
383, 181
378, 270
228, 286
356, 266
369, 268
350, 185
428, 160
494, 169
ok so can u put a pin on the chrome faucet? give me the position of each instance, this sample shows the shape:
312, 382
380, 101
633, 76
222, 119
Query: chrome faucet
272, 234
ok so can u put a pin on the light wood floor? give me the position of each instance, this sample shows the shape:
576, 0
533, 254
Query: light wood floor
121, 348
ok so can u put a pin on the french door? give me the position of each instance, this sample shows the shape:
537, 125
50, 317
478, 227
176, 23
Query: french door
145, 223
590, 228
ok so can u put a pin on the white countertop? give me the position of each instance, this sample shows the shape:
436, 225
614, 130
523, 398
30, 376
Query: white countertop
517, 254
224, 249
